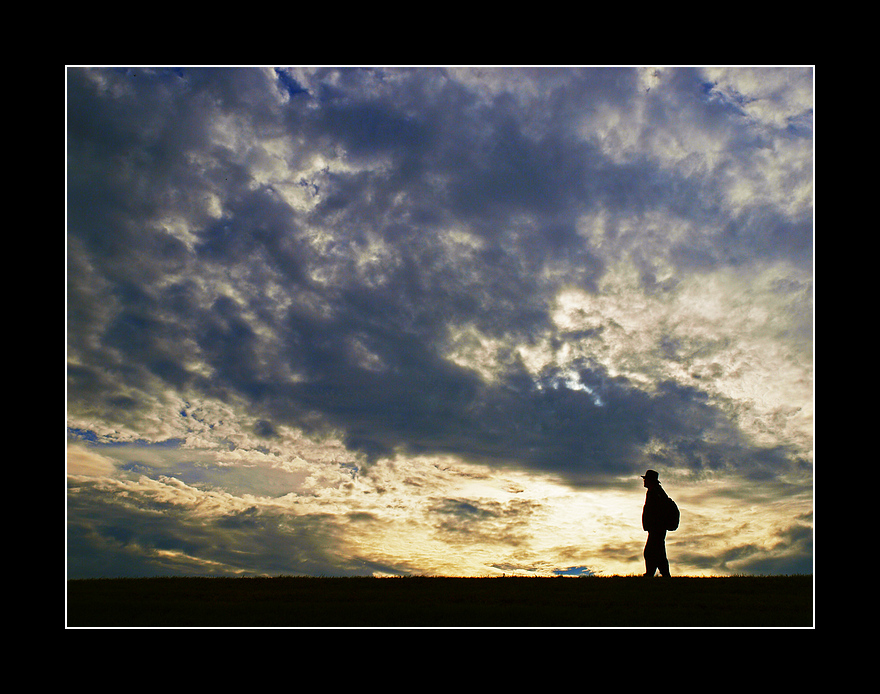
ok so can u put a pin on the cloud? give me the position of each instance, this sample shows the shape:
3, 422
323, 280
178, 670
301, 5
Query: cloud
164, 526
81, 461
574, 272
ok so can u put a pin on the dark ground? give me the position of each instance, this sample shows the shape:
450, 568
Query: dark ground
775, 601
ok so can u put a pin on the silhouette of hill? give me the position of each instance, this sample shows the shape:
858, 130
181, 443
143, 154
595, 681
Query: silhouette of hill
287, 601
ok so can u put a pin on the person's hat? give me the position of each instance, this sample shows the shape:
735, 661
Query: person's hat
650, 475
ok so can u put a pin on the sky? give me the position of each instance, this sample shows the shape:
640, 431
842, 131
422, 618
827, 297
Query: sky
437, 320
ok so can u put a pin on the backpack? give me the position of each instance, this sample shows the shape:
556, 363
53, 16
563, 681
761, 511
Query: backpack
673, 515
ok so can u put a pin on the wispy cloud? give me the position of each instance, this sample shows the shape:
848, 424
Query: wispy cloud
436, 320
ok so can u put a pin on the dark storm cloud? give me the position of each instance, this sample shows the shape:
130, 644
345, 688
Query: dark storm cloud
425, 155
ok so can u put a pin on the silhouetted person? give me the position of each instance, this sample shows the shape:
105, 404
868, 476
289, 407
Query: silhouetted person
654, 522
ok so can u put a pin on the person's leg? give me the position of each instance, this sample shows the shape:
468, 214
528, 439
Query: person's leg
661, 559
651, 564
663, 562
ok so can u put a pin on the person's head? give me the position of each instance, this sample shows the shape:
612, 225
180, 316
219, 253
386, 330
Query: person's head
651, 478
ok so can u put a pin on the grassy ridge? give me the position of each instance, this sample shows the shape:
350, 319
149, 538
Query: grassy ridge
616, 601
